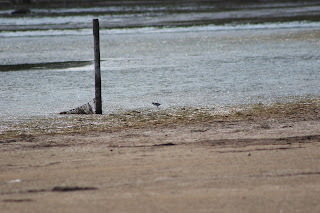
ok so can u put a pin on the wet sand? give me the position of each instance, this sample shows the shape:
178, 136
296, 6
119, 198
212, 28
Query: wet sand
257, 164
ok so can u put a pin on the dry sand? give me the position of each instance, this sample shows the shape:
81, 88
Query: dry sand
246, 165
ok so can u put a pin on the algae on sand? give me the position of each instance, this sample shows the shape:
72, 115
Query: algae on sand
63, 124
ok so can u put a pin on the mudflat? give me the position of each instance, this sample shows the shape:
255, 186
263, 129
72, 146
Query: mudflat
245, 163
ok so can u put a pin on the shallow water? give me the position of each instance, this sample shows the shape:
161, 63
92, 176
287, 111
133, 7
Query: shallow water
195, 68
198, 66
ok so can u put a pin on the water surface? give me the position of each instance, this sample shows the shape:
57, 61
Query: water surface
46, 64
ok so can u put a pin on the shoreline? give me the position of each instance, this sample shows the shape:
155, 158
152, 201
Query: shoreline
117, 121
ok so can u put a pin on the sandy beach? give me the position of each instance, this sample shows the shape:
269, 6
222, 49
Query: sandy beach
241, 162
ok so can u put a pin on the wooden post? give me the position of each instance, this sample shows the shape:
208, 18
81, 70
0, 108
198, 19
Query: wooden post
98, 99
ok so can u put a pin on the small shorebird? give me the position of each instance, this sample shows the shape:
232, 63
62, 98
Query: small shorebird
156, 104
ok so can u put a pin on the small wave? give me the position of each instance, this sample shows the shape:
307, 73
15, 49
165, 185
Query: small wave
148, 30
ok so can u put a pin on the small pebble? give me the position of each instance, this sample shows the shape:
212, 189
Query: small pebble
249, 154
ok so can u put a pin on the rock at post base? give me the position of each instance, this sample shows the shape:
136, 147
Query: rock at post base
88, 108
